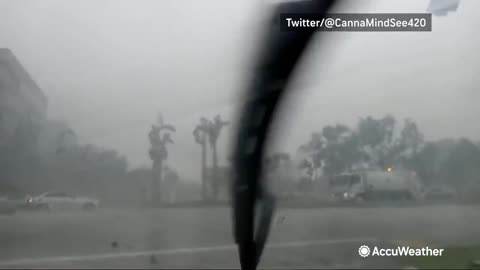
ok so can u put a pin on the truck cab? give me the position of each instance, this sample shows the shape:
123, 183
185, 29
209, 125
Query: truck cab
346, 186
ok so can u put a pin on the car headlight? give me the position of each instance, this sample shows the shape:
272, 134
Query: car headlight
346, 195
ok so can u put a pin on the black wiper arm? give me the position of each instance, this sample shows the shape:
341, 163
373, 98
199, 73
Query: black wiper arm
276, 62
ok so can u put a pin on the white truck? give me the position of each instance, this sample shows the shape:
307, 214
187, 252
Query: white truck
375, 185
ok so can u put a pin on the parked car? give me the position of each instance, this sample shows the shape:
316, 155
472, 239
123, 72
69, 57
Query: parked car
62, 201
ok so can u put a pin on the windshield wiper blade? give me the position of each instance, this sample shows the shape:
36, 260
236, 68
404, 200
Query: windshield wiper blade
276, 62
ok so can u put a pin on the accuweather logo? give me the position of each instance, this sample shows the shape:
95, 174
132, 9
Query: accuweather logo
364, 251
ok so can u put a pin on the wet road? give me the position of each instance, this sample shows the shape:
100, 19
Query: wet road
201, 238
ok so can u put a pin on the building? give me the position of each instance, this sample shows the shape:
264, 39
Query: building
22, 102
23, 109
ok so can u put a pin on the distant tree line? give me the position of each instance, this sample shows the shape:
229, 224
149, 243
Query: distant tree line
373, 143
39, 155
381, 143
64, 165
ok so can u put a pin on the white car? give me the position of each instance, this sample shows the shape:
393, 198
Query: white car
62, 201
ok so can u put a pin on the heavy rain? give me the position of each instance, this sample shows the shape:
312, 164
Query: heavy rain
118, 120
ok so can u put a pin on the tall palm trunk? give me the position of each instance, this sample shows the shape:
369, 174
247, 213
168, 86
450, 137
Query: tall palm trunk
204, 171
214, 179
156, 181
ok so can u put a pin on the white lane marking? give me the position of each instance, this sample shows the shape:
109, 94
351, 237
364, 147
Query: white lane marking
174, 251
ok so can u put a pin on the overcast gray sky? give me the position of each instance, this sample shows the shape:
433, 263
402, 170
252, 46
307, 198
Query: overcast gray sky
109, 66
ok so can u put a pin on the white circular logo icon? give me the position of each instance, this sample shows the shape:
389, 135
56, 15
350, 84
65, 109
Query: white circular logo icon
364, 251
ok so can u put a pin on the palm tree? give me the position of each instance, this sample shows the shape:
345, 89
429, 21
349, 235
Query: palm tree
158, 153
215, 127
200, 133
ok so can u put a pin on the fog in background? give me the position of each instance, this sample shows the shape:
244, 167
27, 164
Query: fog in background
108, 68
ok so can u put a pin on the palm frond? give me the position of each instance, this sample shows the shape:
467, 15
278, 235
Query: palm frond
168, 127
167, 139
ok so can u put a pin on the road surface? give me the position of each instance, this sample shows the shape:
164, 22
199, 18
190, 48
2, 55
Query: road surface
202, 238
